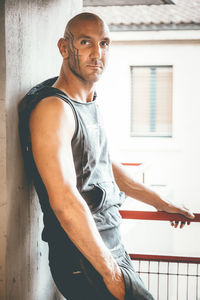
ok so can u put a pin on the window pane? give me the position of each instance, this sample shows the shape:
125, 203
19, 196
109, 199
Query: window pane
151, 103
164, 103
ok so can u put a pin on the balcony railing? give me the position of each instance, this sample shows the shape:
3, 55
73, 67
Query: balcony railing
167, 277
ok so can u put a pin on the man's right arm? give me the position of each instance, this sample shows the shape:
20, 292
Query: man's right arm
52, 126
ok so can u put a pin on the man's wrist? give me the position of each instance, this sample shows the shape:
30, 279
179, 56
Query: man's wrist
111, 270
161, 204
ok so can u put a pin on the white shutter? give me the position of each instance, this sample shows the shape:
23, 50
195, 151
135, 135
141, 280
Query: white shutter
151, 101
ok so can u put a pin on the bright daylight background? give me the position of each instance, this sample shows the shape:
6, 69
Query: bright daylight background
151, 37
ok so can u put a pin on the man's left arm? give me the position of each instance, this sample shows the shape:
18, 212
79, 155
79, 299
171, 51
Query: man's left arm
144, 194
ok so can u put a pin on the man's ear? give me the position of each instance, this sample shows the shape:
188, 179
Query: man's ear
63, 47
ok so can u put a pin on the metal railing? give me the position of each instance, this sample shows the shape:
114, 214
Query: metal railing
167, 277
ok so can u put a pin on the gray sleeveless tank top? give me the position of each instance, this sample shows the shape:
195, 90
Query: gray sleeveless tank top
95, 180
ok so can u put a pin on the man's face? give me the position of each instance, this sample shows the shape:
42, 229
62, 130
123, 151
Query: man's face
88, 47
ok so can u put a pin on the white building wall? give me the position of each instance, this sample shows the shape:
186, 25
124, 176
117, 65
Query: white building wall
174, 162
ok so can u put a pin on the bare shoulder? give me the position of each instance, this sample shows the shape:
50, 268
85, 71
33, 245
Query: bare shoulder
52, 114
51, 130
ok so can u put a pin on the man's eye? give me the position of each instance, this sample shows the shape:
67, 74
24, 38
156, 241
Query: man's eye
84, 42
104, 43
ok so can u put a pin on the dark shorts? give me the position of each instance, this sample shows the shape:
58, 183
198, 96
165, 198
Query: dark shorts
76, 278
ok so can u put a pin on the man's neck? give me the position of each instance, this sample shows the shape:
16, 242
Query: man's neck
74, 87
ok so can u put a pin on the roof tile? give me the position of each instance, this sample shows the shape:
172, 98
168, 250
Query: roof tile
183, 12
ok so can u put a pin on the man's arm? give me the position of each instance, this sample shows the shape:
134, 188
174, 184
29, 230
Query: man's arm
52, 126
142, 193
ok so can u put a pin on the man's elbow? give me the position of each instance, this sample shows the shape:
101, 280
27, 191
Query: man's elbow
60, 200
65, 205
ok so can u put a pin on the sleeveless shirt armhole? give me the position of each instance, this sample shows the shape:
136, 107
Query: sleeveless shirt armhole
74, 113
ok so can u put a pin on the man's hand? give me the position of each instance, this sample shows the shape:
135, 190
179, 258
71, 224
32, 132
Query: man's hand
177, 209
115, 284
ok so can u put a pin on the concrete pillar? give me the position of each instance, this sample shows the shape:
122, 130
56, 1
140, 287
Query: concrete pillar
29, 31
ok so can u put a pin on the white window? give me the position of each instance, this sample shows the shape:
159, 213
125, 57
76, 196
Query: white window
151, 101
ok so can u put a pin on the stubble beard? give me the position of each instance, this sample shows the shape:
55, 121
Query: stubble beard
85, 78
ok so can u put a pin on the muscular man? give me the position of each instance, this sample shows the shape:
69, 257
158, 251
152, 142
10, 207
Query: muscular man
80, 190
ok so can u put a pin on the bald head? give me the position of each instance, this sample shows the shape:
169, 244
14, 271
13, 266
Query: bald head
81, 18
85, 47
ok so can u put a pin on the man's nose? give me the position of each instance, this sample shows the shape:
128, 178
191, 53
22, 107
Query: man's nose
96, 51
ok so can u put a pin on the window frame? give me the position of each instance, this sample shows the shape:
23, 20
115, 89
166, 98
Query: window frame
167, 136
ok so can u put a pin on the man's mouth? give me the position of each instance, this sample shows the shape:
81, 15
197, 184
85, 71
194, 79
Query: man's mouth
95, 66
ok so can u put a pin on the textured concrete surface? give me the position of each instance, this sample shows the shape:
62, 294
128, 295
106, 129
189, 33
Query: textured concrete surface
28, 38
2, 155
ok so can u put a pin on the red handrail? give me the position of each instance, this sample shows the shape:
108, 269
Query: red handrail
160, 216
157, 216
165, 258
131, 164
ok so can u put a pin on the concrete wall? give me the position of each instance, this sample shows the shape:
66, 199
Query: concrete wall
29, 33
2, 153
